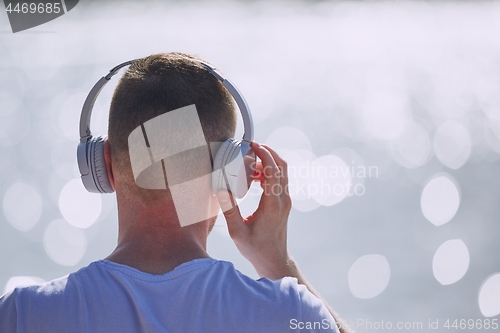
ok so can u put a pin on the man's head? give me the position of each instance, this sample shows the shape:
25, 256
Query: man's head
153, 86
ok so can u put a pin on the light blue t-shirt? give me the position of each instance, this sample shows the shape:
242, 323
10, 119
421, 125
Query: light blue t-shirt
203, 295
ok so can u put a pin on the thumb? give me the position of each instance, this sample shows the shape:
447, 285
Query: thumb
230, 210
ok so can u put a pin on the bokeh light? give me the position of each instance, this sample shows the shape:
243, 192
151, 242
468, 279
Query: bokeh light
359, 171
21, 281
369, 276
452, 144
14, 126
332, 179
440, 199
284, 139
36, 151
313, 181
450, 262
22, 206
489, 296
411, 149
79, 207
63, 158
9, 102
299, 167
64, 243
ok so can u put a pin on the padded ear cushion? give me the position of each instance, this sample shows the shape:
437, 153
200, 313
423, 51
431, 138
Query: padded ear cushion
98, 165
220, 161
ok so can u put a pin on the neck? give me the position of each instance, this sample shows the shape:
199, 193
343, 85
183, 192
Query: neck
154, 242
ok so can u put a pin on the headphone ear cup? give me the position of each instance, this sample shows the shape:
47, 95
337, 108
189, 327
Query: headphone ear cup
98, 165
218, 181
234, 164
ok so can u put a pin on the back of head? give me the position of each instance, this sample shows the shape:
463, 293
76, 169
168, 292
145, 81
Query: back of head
153, 86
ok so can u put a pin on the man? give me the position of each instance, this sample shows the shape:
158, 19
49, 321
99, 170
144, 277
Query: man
160, 277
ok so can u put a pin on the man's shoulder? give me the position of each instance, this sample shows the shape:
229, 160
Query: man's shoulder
46, 290
275, 302
42, 305
283, 293
287, 286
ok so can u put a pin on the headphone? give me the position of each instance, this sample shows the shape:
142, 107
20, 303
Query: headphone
233, 164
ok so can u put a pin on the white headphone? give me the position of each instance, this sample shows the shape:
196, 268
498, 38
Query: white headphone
233, 164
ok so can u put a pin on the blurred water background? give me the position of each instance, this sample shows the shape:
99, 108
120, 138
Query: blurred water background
388, 113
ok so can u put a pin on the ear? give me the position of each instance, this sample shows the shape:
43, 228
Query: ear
109, 168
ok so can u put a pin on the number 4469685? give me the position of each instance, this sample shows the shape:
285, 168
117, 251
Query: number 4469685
32, 8
472, 324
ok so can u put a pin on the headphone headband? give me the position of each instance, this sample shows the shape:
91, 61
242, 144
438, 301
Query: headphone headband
85, 132
232, 159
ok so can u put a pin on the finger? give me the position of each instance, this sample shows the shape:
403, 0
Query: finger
283, 166
271, 184
267, 160
280, 162
231, 211
258, 174
270, 168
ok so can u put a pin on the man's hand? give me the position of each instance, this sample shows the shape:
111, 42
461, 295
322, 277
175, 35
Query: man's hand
261, 237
